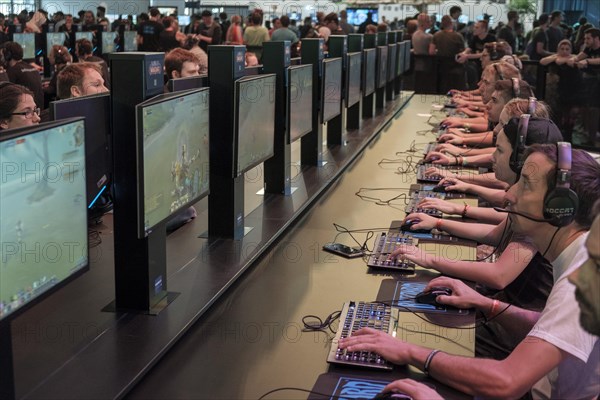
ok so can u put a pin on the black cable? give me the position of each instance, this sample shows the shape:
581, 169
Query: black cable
329, 396
377, 200
94, 238
551, 240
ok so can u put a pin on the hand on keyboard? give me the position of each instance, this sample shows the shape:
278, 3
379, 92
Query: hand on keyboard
413, 254
442, 205
368, 339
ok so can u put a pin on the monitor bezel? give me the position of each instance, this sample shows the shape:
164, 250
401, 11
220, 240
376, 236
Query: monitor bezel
143, 232
12, 134
392, 55
27, 34
236, 168
289, 101
323, 88
49, 46
382, 53
369, 53
202, 79
406, 56
399, 59
115, 36
357, 55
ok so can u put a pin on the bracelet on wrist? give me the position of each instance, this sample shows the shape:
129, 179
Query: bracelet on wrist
464, 161
494, 309
438, 224
464, 212
428, 361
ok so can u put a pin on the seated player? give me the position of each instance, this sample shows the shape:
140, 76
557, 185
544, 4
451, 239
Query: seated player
85, 53
20, 72
17, 107
181, 63
80, 79
557, 359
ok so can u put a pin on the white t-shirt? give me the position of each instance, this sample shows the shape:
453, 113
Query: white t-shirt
578, 375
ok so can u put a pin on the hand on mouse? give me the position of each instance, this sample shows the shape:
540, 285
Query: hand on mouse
412, 388
442, 205
439, 172
436, 157
368, 339
462, 295
423, 221
452, 122
414, 254
455, 184
450, 138
450, 149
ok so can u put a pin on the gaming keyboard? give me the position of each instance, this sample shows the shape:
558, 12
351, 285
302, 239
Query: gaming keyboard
413, 204
356, 315
430, 147
421, 168
385, 244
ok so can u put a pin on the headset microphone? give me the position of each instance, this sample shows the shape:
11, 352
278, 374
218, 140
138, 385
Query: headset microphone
529, 217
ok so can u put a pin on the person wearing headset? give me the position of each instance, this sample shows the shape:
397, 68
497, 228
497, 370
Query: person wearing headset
552, 204
20, 72
17, 107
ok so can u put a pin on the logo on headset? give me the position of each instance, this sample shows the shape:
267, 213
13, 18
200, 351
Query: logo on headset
561, 211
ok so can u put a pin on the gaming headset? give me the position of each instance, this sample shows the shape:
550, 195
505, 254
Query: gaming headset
561, 203
532, 105
494, 53
500, 75
518, 148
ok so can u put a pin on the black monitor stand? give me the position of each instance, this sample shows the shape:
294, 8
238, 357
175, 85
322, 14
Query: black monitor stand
7, 374
370, 42
276, 59
311, 144
392, 57
336, 127
355, 44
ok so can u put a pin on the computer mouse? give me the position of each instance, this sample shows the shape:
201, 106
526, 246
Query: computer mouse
430, 296
439, 189
390, 396
406, 226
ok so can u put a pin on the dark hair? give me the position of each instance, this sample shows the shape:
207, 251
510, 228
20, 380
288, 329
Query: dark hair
554, 14
285, 21
512, 15
455, 9
168, 22
206, 13
595, 32
256, 18
15, 50
585, 179
485, 24
331, 17
84, 47
223, 16
10, 97
543, 19
539, 130
154, 12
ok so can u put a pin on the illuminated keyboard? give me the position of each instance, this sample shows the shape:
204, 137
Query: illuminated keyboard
413, 207
385, 244
356, 315
421, 168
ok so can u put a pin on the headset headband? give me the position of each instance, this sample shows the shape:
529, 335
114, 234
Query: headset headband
563, 165
516, 89
497, 68
532, 105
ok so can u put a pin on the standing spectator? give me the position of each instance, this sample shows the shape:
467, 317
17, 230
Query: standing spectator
191, 44
149, 32
481, 36
225, 24
332, 22
234, 34
346, 27
284, 33
538, 46
369, 21
434, 26
508, 31
170, 38
555, 33
210, 31
447, 44
88, 20
455, 13
421, 39
276, 25
306, 27
22, 73
59, 20
256, 35
194, 26
411, 29
294, 28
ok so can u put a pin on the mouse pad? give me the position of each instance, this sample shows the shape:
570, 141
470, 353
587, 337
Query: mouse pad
402, 293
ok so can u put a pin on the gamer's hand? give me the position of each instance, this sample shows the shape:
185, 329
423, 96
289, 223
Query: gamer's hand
425, 221
414, 254
439, 172
462, 295
450, 148
452, 122
414, 389
368, 339
442, 205
456, 185
435, 157
451, 138
582, 64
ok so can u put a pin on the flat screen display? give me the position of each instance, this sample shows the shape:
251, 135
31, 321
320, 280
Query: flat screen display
382, 53
406, 55
109, 42
399, 59
254, 121
370, 66
27, 42
188, 83
43, 216
54, 39
392, 49
354, 77
85, 35
173, 155
332, 88
130, 41
300, 100
357, 16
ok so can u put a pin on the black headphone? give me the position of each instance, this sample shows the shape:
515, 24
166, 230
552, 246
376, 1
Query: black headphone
515, 88
494, 53
8, 56
532, 106
498, 72
561, 203
518, 148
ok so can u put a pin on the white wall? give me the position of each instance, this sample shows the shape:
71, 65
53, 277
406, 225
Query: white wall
112, 6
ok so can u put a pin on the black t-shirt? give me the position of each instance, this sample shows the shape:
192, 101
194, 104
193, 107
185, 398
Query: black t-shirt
150, 32
213, 31
555, 35
24, 74
591, 53
168, 41
507, 34
538, 37
476, 44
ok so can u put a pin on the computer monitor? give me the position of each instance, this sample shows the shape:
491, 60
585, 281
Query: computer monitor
184, 20
382, 54
27, 42
189, 83
254, 121
300, 99
166, 10
399, 58
130, 41
42, 212
357, 16
392, 50
54, 39
96, 111
84, 35
369, 71
172, 155
353, 76
406, 56
331, 88
109, 42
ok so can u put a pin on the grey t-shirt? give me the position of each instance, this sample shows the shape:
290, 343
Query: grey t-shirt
421, 41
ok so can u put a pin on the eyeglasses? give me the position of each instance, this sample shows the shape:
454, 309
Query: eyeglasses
28, 113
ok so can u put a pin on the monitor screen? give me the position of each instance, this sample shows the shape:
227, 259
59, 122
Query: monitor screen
331, 98
370, 66
300, 100
254, 121
189, 83
357, 16
381, 66
109, 40
54, 39
27, 42
353, 75
43, 218
184, 20
392, 48
173, 155
130, 41
85, 35
96, 111
166, 10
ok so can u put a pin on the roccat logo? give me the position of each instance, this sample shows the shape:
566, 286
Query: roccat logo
560, 210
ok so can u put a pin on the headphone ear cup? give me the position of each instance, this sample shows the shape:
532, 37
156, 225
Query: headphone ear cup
560, 206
